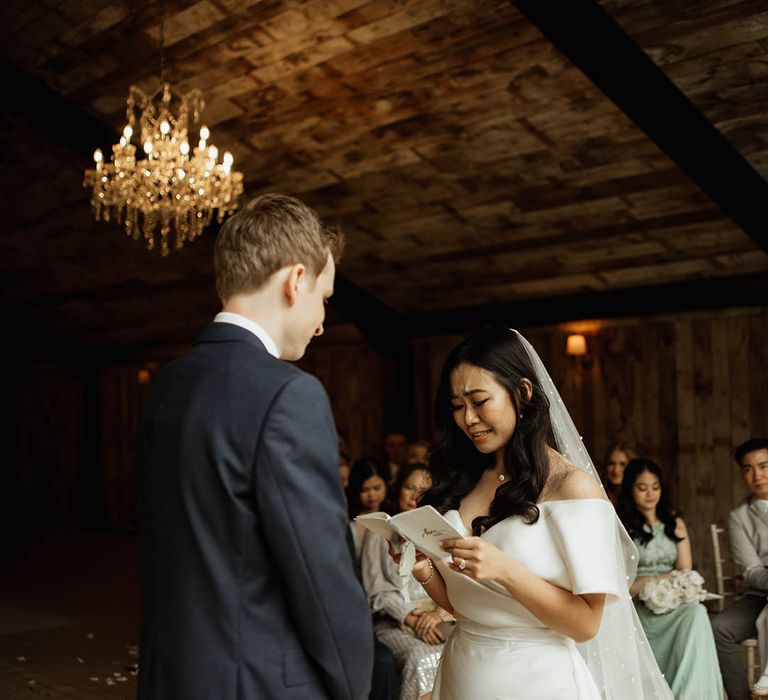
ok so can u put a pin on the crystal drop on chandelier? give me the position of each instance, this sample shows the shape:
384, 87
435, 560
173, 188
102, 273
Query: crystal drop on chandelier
173, 190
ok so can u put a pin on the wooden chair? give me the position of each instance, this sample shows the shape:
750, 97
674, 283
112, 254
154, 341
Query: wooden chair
728, 586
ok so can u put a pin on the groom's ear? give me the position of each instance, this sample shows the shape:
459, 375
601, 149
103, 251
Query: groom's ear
293, 282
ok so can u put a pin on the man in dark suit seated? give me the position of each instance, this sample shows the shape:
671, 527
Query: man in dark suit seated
247, 586
748, 536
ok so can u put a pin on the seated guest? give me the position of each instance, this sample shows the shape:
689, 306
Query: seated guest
384, 683
416, 452
681, 639
408, 619
394, 449
748, 536
366, 493
616, 459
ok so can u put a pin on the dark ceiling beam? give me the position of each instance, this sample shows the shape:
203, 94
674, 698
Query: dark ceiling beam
592, 40
699, 295
385, 330
51, 113
380, 325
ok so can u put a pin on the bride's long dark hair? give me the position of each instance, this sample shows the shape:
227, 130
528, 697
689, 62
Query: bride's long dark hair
457, 465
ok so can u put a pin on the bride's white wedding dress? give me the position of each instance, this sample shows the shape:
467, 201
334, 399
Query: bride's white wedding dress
500, 651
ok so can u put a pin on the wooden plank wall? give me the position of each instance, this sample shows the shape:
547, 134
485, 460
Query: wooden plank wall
43, 473
357, 380
685, 390
72, 461
122, 389
72, 439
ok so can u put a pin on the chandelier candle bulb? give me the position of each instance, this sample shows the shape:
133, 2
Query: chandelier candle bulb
204, 133
165, 127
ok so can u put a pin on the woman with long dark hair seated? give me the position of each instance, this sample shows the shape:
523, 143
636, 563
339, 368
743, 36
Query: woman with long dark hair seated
681, 639
544, 562
617, 458
366, 493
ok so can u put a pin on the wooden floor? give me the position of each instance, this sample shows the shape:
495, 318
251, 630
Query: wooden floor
69, 618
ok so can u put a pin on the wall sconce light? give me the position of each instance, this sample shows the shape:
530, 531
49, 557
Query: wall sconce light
576, 348
576, 344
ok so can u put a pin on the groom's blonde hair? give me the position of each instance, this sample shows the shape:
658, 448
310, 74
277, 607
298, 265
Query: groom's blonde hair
268, 233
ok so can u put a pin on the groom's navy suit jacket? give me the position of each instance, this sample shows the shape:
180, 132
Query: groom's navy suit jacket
247, 586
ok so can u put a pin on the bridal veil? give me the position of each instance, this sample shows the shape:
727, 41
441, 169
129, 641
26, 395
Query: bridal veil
619, 657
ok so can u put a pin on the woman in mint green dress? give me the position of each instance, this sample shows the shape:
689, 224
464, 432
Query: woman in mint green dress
681, 640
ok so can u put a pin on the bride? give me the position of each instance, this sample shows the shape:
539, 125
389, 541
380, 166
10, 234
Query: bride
539, 585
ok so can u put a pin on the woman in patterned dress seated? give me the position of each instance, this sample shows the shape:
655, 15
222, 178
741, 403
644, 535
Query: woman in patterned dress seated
407, 620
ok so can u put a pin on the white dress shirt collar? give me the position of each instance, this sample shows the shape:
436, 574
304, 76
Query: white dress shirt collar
252, 326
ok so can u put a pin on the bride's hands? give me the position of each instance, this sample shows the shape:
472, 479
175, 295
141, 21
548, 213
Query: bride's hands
481, 560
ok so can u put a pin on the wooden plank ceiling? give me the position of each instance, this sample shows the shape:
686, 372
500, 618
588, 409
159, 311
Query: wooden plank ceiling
469, 162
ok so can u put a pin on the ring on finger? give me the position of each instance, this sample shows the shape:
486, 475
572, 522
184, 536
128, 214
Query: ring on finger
461, 564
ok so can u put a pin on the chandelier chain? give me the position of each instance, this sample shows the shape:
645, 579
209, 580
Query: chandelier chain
161, 9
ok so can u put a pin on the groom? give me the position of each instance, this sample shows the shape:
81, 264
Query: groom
247, 585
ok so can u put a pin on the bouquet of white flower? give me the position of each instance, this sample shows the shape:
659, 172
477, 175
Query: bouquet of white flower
662, 595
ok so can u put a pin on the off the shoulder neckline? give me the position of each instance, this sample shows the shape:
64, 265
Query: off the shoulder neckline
553, 501
541, 503
573, 500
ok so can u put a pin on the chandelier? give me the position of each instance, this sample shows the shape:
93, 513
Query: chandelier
169, 195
